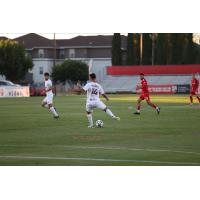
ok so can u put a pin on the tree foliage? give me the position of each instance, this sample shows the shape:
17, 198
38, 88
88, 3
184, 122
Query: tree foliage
175, 48
116, 49
14, 63
190, 54
70, 70
147, 49
161, 49
131, 57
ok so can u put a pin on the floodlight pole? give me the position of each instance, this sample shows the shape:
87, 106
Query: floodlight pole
153, 47
54, 49
141, 48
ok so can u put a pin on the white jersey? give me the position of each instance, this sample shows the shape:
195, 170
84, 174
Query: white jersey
93, 90
48, 85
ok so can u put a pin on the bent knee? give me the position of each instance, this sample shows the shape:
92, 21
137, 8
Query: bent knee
148, 102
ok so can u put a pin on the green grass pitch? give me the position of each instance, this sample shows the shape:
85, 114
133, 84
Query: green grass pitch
30, 136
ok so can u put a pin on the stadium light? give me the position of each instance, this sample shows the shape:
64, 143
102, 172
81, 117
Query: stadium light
54, 60
153, 47
141, 47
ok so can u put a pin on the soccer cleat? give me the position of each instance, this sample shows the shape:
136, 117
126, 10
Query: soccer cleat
56, 117
136, 113
90, 126
116, 118
158, 110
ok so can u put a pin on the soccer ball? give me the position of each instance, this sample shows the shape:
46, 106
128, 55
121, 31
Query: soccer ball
99, 123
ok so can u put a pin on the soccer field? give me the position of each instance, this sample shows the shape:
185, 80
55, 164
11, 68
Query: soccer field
30, 136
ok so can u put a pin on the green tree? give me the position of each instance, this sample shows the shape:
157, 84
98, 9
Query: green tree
14, 63
147, 49
131, 56
161, 49
70, 70
190, 52
137, 48
177, 48
116, 49
197, 53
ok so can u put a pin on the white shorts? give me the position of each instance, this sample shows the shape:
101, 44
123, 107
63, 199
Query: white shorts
94, 104
48, 99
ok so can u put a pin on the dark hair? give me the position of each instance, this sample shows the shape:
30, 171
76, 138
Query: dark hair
141, 74
46, 74
93, 76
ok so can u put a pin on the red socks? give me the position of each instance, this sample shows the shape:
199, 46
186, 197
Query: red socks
152, 105
191, 99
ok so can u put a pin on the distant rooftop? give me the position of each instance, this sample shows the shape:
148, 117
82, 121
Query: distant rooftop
90, 41
33, 40
3, 38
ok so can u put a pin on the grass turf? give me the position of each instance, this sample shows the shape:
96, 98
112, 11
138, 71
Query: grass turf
30, 136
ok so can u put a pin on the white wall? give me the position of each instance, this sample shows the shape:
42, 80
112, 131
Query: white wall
47, 65
98, 66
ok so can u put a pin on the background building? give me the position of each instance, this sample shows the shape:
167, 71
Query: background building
45, 53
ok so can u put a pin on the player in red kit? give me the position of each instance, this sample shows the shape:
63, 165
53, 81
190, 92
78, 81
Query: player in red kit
144, 95
194, 88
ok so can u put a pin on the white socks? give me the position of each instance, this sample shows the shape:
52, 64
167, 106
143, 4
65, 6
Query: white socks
89, 116
52, 109
108, 111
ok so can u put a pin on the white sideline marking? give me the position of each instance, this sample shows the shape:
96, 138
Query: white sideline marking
133, 149
104, 148
98, 159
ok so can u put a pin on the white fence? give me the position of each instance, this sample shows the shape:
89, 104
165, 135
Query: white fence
14, 91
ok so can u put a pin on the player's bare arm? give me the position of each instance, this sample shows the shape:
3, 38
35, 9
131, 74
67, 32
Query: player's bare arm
106, 97
79, 89
139, 86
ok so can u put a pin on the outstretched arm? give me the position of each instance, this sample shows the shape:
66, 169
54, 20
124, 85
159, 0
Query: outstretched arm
105, 96
79, 89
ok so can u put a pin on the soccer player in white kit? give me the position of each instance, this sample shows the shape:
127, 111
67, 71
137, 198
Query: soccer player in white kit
93, 90
48, 100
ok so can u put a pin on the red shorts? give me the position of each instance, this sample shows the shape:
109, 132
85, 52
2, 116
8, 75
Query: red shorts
193, 92
145, 96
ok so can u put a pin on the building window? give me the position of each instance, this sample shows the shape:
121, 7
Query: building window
41, 70
41, 53
62, 53
72, 53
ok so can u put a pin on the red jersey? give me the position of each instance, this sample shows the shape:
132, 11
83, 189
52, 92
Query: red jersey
194, 84
144, 88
